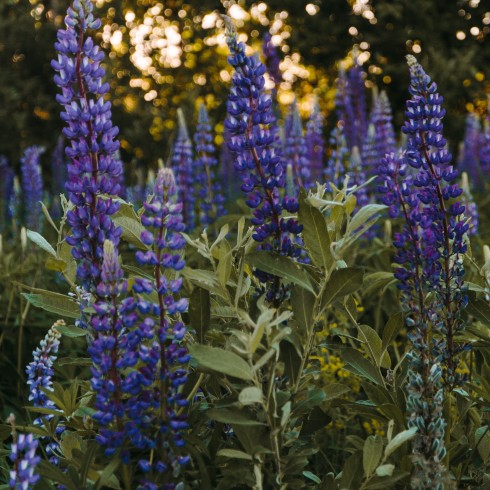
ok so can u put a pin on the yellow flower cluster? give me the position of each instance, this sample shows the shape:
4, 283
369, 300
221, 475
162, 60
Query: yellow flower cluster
375, 427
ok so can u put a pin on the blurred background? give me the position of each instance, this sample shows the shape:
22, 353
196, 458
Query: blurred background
162, 55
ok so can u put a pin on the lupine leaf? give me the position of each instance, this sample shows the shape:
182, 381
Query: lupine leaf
280, 266
479, 309
399, 440
371, 454
341, 283
41, 242
233, 453
199, 312
230, 416
220, 360
56, 303
315, 233
358, 364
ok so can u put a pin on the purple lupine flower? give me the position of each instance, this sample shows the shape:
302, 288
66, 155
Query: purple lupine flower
182, 163
114, 349
6, 193
358, 177
40, 370
295, 151
167, 358
470, 205
350, 104
334, 172
32, 186
249, 119
429, 260
271, 59
93, 169
380, 139
209, 189
58, 176
315, 144
443, 221
23, 476
469, 160
484, 152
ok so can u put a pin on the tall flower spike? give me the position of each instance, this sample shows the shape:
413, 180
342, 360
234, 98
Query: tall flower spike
40, 370
443, 219
23, 475
315, 145
470, 151
32, 186
167, 358
334, 172
6, 193
470, 205
209, 189
183, 167
114, 351
249, 119
58, 176
93, 169
271, 59
295, 150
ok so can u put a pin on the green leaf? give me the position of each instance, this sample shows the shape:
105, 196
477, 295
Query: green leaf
385, 470
390, 331
399, 440
130, 223
71, 331
335, 390
56, 303
371, 454
229, 416
221, 361
250, 395
358, 364
40, 241
200, 312
225, 263
373, 344
341, 283
383, 483
74, 361
281, 267
233, 453
479, 309
302, 302
311, 476
362, 216
53, 473
315, 233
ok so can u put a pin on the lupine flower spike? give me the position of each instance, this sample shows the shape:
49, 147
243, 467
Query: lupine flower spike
93, 169
23, 474
166, 358
32, 186
295, 150
315, 145
6, 193
183, 167
249, 119
209, 189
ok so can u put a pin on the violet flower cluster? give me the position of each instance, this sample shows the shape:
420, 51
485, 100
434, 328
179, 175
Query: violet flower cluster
32, 186
419, 186
6, 193
334, 172
114, 350
40, 371
296, 152
93, 169
271, 59
470, 154
249, 119
166, 358
23, 475
315, 144
182, 163
209, 190
58, 176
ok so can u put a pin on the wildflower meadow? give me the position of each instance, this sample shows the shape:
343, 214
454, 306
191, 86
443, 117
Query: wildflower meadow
294, 296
